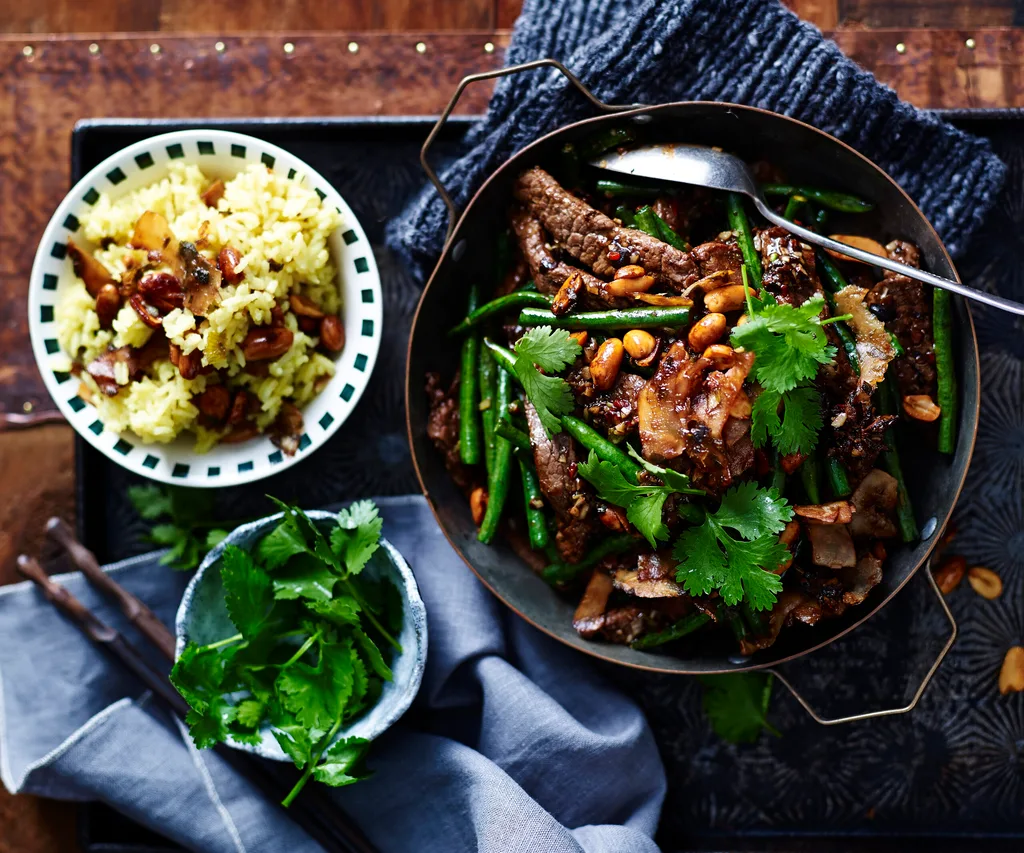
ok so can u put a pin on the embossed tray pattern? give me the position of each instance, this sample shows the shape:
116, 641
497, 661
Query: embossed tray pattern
949, 776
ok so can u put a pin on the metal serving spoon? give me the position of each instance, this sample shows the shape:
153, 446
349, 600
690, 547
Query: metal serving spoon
705, 167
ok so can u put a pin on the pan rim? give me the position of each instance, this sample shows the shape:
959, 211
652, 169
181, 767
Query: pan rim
595, 649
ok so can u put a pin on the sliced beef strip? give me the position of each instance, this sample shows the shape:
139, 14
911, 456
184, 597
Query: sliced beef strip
549, 273
614, 409
596, 239
719, 256
904, 305
570, 497
443, 428
788, 268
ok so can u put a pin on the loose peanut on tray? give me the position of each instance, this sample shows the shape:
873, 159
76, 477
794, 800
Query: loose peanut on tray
706, 331
949, 573
921, 407
1011, 674
604, 368
985, 582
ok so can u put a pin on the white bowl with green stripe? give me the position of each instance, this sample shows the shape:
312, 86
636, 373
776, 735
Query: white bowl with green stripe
220, 154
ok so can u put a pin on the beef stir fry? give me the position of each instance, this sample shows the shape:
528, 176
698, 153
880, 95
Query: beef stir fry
698, 410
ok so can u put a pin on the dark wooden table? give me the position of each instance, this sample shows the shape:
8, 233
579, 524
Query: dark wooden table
64, 60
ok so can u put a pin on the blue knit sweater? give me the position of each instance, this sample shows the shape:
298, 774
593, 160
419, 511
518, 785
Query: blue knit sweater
752, 52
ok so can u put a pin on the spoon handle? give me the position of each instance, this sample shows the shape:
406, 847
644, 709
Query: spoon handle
887, 263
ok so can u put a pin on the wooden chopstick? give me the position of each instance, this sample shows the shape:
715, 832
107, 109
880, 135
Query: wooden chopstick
137, 613
324, 822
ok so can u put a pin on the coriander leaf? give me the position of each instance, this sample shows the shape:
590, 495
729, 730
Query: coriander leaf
249, 713
643, 503
711, 558
752, 511
551, 350
357, 536
197, 676
247, 591
764, 417
341, 610
339, 763
304, 576
278, 546
360, 684
317, 695
215, 537
801, 421
737, 705
150, 502
315, 541
210, 726
373, 655
166, 534
672, 479
296, 742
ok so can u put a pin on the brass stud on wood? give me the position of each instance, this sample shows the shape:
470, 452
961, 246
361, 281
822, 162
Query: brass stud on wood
901, 48
94, 49
27, 406
220, 47
970, 44
421, 47
154, 48
289, 48
489, 47
353, 47
28, 50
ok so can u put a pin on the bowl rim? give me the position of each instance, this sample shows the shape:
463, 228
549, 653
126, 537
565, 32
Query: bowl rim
251, 460
595, 649
416, 616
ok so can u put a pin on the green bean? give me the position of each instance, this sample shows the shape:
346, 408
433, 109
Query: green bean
667, 235
497, 483
942, 325
796, 201
646, 221
896, 345
591, 439
676, 631
849, 343
615, 318
504, 357
516, 299
626, 216
753, 618
891, 460
518, 439
810, 476
600, 142
837, 478
833, 282
488, 404
533, 503
739, 223
620, 188
735, 622
559, 572
469, 393
843, 202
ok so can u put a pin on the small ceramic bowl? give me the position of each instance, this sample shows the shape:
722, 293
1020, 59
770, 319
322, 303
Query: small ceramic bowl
203, 618
220, 154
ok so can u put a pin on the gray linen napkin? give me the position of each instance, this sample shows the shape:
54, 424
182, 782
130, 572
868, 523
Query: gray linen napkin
525, 749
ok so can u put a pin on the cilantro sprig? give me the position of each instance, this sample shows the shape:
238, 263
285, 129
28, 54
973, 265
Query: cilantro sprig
551, 351
643, 502
184, 526
312, 650
736, 549
736, 705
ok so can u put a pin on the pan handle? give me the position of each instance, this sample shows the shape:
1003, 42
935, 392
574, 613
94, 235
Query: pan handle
885, 712
453, 213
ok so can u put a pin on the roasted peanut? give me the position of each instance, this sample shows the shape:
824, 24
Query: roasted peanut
303, 306
639, 344
985, 582
478, 504
706, 331
147, 313
604, 368
240, 407
108, 303
214, 193
568, 295
267, 342
949, 573
228, 261
190, 365
214, 402
921, 407
580, 337
162, 290
837, 512
720, 355
865, 244
1011, 675
729, 298
630, 279
332, 333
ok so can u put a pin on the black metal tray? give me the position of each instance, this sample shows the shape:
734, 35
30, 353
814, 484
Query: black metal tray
949, 776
